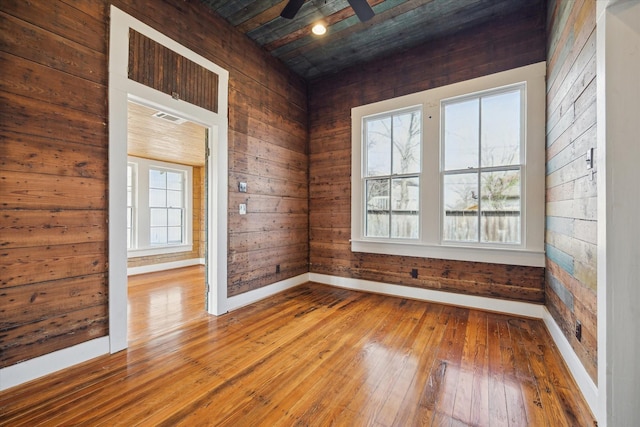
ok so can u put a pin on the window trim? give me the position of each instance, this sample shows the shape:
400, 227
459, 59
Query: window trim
430, 244
141, 209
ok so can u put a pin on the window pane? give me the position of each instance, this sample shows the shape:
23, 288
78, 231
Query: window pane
405, 203
461, 207
157, 217
406, 143
174, 181
378, 208
157, 179
158, 235
501, 129
174, 199
157, 198
129, 229
461, 135
500, 204
405, 194
174, 235
378, 148
174, 217
129, 217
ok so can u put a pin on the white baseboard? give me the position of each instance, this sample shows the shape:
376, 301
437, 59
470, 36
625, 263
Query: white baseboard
470, 301
250, 297
152, 268
580, 375
49, 363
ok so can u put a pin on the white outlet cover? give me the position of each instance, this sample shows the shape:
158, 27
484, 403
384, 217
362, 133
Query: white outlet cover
243, 209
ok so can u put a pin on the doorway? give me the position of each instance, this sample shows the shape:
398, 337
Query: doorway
166, 211
122, 90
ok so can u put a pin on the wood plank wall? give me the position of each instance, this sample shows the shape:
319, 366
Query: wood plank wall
158, 67
571, 236
511, 42
53, 169
53, 177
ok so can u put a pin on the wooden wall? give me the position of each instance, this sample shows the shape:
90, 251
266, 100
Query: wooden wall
53, 169
571, 236
511, 42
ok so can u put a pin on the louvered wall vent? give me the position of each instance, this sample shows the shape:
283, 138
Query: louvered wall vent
169, 117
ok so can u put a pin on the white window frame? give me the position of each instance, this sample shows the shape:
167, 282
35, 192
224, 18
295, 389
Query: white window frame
141, 209
430, 244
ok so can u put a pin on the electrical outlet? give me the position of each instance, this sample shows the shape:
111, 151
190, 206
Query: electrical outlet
243, 209
578, 330
414, 273
242, 187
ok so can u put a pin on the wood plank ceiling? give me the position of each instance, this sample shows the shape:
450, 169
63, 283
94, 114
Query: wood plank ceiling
155, 138
397, 25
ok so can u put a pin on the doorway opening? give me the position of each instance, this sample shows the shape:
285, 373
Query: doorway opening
122, 90
166, 212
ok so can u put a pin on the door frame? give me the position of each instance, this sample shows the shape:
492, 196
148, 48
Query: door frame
121, 90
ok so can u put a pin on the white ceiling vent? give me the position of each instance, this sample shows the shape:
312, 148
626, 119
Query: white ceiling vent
169, 117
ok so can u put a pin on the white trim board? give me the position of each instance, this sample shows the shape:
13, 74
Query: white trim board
152, 268
469, 301
580, 375
256, 295
49, 363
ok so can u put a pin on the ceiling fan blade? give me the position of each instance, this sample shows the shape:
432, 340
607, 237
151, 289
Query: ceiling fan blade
362, 9
291, 9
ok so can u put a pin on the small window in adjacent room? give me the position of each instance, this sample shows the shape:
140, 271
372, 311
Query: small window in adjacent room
159, 210
131, 197
455, 172
166, 206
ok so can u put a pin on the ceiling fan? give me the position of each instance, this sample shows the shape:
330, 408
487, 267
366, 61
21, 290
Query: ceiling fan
360, 7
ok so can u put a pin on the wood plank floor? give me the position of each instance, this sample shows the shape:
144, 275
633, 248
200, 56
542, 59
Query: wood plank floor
312, 356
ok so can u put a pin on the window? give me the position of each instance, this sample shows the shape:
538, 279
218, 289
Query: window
166, 206
482, 165
159, 207
392, 175
130, 204
455, 172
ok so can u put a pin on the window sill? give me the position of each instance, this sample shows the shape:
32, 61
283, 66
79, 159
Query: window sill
135, 253
493, 255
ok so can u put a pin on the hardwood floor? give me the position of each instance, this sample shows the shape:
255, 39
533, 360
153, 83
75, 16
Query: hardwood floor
313, 355
163, 301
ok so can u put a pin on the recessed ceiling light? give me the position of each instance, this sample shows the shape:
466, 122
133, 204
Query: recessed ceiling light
319, 29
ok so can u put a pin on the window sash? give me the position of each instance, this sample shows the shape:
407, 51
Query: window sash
385, 221
474, 227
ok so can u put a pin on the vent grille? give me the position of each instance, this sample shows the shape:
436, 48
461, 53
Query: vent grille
169, 117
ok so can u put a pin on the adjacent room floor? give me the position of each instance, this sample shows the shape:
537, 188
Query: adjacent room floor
313, 355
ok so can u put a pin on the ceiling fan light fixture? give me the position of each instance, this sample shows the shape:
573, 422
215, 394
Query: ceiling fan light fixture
319, 29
